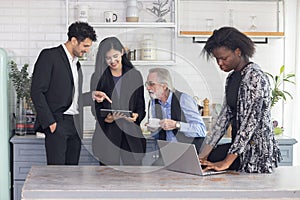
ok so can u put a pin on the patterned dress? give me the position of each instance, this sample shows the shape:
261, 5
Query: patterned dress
254, 142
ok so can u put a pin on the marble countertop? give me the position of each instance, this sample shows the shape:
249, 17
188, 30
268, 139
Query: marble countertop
87, 137
128, 182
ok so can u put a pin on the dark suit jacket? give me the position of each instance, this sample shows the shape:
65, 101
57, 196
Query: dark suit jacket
52, 87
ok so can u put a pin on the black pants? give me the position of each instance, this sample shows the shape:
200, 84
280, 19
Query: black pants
220, 152
64, 145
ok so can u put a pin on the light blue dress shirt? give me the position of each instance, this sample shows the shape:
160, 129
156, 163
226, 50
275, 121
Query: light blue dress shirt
194, 125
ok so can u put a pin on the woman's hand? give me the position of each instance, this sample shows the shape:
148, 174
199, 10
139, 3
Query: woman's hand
205, 151
219, 166
109, 118
114, 116
133, 118
100, 96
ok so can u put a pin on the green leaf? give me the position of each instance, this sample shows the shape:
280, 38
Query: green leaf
278, 91
281, 69
21, 81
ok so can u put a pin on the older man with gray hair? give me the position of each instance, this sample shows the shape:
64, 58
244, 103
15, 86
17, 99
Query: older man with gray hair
180, 120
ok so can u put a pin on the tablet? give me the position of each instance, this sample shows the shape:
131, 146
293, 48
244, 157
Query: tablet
105, 112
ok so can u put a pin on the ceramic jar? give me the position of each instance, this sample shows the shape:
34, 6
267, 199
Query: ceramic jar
132, 11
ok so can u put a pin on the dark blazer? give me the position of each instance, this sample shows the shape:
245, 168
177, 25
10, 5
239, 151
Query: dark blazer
52, 87
131, 98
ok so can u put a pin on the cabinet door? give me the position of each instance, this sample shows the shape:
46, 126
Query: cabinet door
287, 155
152, 152
18, 189
21, 169
86, 157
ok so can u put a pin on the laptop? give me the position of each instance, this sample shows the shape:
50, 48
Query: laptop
182, 157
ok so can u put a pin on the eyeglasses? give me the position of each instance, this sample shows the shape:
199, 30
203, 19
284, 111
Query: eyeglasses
114, 57
150, 84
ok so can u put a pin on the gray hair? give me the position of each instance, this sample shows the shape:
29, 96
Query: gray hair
164, 77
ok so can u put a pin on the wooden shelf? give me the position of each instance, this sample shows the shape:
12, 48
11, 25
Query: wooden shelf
251, 34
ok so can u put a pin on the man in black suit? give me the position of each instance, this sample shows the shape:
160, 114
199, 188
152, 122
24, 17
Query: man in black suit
56, 92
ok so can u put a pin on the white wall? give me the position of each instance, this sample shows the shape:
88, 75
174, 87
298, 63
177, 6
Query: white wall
27, 26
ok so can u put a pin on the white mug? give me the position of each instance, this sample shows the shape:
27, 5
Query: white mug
154, 123
83, 12
109, 16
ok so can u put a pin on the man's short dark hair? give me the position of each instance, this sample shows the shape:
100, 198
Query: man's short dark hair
81, 31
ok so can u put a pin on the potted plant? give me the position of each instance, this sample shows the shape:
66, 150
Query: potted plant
279, 93
21, 81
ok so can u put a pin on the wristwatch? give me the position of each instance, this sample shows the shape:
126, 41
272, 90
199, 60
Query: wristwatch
177, 125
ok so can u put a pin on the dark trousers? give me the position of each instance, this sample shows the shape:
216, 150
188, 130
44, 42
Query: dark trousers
220, 152
64, 145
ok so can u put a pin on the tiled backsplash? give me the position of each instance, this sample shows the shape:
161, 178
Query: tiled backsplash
27, 26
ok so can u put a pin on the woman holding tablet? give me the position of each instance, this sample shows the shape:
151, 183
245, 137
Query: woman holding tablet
119, 139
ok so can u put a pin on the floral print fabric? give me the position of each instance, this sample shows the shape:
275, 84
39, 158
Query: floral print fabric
254, 143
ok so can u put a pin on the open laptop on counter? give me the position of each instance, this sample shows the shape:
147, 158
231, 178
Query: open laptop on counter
182, 157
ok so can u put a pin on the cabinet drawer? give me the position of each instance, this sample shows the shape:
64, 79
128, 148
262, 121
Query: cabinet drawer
30, 153
286, 153
21, 169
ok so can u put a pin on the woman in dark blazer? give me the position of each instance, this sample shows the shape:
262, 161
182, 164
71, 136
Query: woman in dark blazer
119, 139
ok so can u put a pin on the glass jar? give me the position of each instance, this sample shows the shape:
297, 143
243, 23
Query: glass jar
21, 118
148, 48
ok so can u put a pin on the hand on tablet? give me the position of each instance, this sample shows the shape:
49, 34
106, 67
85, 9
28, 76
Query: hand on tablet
115, 116
100, 96
133, 118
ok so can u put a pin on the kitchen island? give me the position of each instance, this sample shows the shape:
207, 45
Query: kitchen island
149, 182
29, 151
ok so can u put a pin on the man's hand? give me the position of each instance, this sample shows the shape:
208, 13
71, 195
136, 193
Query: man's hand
100, 96
52, 127
168, 124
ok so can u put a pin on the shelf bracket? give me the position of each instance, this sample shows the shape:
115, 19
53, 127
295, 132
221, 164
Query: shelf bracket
262, 42
265, 41
198, 41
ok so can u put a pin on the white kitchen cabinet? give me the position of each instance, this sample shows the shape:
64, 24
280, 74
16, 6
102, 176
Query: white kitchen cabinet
257, 19
131, 34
